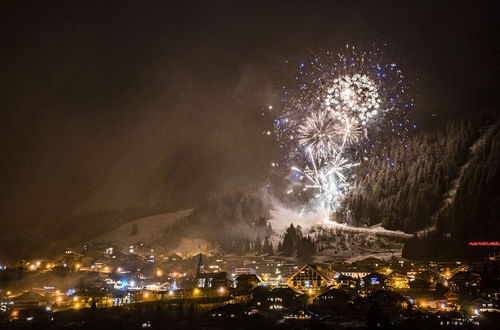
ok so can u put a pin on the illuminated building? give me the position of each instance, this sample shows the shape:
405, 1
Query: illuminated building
464, 280
310, 277
397, 281
374, 279
333, 297
348, 282
299, 315
350, 270
370, 263
481, 305
209, 280
174, 257
247, 282
277, 298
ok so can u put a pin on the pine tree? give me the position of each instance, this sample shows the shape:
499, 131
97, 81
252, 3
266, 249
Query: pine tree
305, 249
268, 247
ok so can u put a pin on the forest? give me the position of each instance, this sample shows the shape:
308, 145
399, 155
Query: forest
405, 185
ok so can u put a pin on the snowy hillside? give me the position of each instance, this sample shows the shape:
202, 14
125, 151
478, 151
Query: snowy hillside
149, 229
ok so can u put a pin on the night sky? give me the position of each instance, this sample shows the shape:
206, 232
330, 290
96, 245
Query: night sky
112, 105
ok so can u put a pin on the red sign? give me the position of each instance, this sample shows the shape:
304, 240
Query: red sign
484, 243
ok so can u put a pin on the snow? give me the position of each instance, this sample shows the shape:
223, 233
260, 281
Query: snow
149, 229
357, 253
376, 230
282, 217
360, 242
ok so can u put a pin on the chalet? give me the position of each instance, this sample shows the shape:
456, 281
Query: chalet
277, 299
310, 279
247, 282
174, 257
348, 282
334, 298
482, 305
371, 263
464, 280
401, 265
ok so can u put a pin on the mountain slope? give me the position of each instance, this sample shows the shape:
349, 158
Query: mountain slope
450, 196
404, 187
150, 229
473, 214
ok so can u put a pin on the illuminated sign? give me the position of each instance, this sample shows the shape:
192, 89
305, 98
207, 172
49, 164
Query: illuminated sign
484, 243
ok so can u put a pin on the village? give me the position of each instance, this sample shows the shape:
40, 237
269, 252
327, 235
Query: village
234, 287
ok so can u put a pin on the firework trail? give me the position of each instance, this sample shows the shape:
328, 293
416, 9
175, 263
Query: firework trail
342, 108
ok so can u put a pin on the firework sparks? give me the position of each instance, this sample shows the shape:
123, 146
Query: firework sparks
343, 106
353, 98
351, 130
317, 135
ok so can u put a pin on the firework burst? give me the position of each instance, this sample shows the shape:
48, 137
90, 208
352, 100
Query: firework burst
317, 135
343, 107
